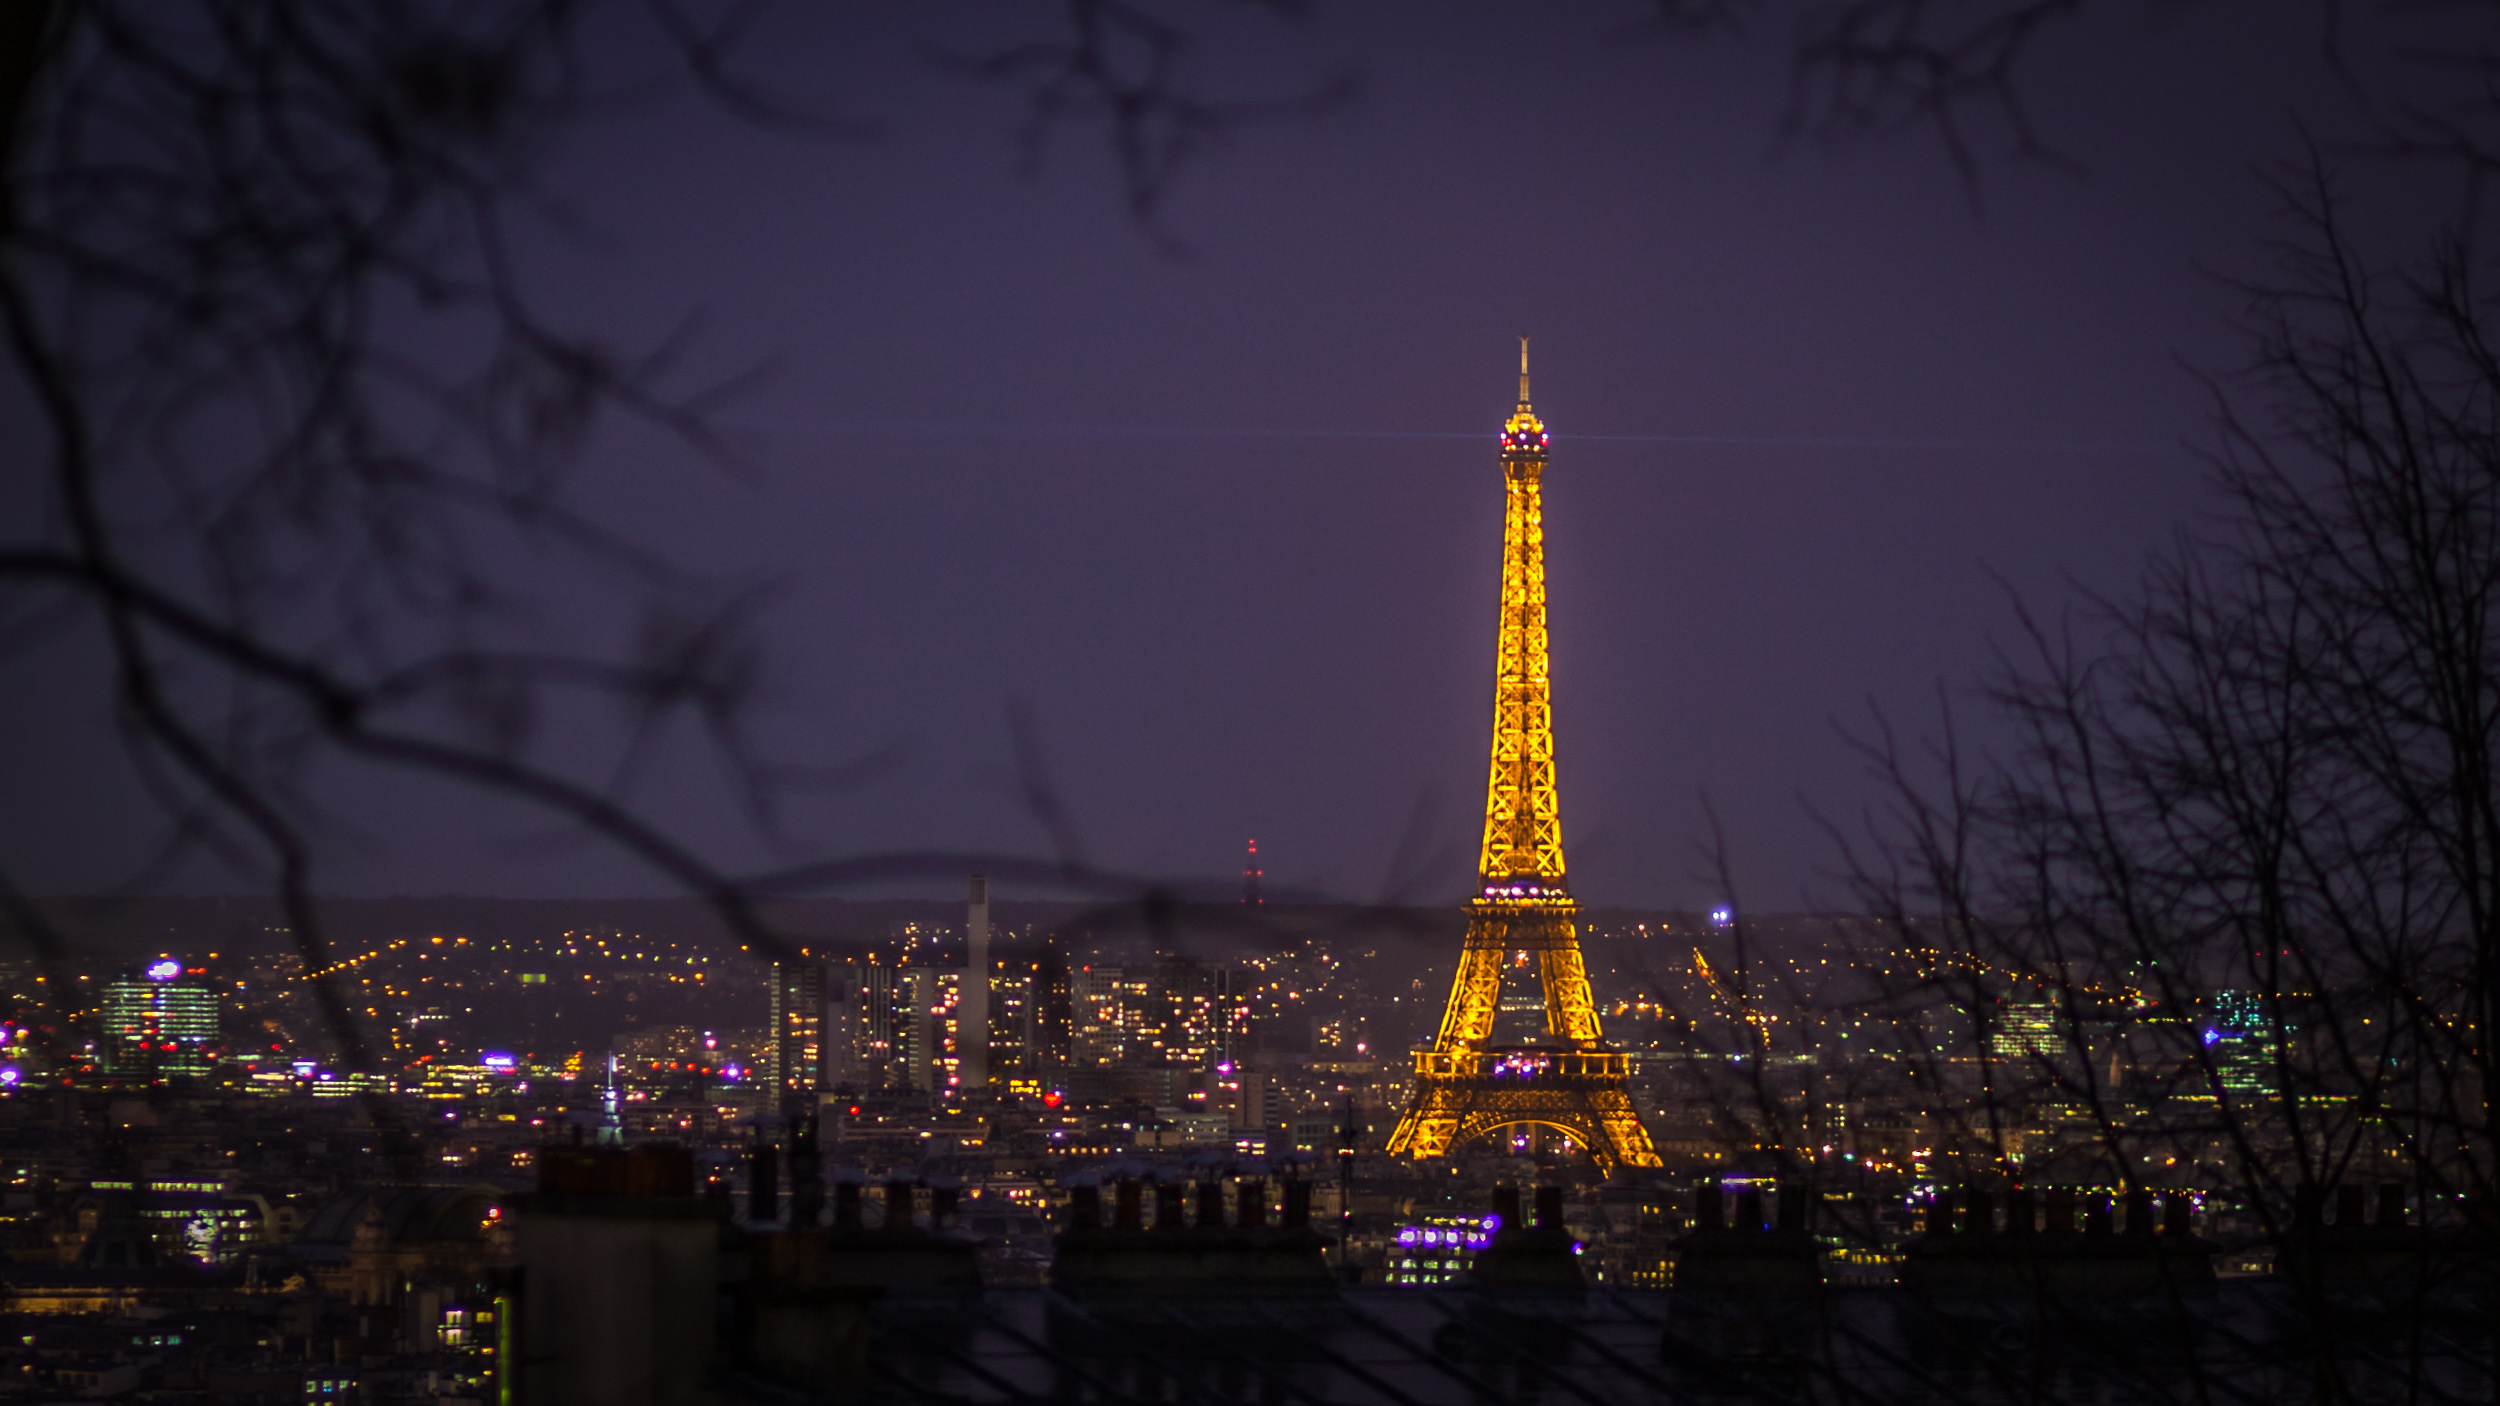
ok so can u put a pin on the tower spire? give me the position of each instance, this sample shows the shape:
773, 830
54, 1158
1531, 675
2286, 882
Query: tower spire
1523, 370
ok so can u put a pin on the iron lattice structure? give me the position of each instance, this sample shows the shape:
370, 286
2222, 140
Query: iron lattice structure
1465, 1085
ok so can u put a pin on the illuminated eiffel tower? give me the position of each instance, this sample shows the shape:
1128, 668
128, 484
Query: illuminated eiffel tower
1519, 928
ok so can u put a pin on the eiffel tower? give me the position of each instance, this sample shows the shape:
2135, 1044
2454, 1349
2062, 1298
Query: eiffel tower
1479, 1077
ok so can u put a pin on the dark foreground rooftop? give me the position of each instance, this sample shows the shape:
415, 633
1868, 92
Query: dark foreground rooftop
2241, 1341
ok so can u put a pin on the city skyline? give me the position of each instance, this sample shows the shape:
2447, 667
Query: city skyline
744, 703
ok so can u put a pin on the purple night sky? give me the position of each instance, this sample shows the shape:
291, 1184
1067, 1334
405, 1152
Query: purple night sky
1225, 520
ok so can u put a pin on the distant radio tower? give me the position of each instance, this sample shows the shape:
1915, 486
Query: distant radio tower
1250, 877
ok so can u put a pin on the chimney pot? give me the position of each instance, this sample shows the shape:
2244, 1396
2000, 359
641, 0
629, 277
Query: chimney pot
2061, 1208
1549, 1208
2391, 1206
2177, 1210
1792, 1208
1506, 1208
1749, 1210
2348, 1210
764, 1183
1979, 1213
2139, 1212
1253, 1202
2096, 1216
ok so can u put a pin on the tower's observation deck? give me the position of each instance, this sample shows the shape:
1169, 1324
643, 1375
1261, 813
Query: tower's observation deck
1465, 1086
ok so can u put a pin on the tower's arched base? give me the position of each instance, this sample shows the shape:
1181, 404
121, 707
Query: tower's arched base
1461, 1097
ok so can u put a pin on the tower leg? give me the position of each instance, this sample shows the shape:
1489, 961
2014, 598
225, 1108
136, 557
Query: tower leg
1475, 994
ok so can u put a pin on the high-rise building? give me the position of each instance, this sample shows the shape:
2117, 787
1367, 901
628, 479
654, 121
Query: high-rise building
1105, 1005
904, 1024
872, 1020
972, 1005
2245, 1040
916, 1023
949, 1032
1051, 992
1188, 1013
794, 1057
2027, 1030
160, 1025
1011, 1032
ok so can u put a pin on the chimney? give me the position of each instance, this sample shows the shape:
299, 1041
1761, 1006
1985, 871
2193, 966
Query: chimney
1171, 1204
1749, 1209
972, 1010
898, 1200
807, 1179
2096, 1215
1253, 1195
1709, 1206
2391, 1206
764, 1183
1297, 1204
2061, 1201
1210, 1205
846, 1205
1085, 1208
1506, 1208
1979, 1213
2176, 1210
2022, 1215
2348, 1211
942, 1201
2139, 1212
1792, 1208
1549, 1209
1940, 1214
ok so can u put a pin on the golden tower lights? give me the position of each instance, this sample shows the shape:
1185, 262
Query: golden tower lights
1466, 1086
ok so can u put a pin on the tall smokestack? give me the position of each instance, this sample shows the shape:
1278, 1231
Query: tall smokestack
972, 1007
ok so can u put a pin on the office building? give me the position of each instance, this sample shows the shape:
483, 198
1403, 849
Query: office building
160, 1025
972, 1004
794, 1055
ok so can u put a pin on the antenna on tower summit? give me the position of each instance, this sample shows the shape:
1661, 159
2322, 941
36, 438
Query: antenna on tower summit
1523, 370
